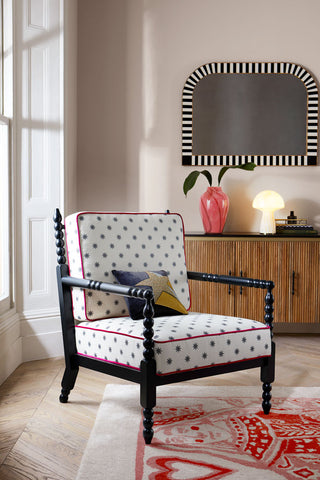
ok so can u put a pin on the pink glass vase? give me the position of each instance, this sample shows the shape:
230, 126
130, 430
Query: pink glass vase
214, 206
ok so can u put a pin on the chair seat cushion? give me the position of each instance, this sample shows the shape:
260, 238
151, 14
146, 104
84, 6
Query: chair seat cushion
182, 342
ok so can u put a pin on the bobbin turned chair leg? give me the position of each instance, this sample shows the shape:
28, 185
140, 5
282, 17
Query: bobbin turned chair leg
266, 396
148, 399
268, 368
68, 382
148, 371
148, 424
267, 377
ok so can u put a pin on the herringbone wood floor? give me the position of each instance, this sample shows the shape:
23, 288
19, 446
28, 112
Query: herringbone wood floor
43, 439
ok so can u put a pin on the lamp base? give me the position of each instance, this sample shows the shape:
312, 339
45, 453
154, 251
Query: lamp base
267, 225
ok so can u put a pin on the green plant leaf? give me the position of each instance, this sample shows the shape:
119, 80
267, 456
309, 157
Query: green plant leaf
192, 178
208, 175
245, 166
221, 173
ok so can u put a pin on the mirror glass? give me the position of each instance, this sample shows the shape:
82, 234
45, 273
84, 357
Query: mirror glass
261, 112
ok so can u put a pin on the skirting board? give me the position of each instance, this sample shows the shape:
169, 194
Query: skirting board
302, 328
10, 346
41, 336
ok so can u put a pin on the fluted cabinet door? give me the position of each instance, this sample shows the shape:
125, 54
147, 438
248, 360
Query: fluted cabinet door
251, 262
304, 276
211, 257
266, 260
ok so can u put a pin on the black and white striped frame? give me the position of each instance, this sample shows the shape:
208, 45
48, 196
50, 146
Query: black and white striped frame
310, 158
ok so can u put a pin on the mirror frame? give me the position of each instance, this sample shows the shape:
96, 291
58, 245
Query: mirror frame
263, 68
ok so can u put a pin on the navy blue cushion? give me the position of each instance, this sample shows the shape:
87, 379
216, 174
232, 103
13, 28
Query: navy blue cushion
166, 302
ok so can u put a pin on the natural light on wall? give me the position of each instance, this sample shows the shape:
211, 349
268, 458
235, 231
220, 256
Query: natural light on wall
154, 159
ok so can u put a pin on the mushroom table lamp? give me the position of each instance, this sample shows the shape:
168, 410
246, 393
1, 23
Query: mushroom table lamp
268, 201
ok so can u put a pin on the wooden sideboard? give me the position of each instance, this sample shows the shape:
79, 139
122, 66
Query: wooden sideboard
293, 263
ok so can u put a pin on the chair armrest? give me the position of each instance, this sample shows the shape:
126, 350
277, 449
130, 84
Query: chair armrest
117, 289
242, 282
144, 292
231, 280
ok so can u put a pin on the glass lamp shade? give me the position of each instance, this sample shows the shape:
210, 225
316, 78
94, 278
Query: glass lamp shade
268, 202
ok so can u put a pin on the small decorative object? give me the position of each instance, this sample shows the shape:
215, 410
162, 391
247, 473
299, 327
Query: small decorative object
214, 203
268, 201
214, 206
292, 218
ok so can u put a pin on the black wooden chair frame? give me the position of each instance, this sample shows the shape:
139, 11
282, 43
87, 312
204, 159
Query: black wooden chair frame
147, 376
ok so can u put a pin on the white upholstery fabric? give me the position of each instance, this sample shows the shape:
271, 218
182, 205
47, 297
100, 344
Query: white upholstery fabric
98, 243
182, 342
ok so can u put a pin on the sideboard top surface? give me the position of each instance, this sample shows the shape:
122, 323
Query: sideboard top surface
255, 236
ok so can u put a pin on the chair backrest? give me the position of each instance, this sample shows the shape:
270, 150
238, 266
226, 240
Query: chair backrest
99, 242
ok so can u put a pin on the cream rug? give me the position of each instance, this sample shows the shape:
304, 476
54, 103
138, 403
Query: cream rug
204, 433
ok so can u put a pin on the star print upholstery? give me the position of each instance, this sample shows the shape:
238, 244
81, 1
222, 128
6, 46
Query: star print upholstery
99, 245
182, 342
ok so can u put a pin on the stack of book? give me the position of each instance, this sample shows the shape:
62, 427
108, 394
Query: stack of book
299, 227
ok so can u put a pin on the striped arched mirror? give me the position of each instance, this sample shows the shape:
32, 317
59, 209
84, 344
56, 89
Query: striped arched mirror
265, 113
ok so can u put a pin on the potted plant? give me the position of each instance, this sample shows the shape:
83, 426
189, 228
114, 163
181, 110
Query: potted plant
214, 203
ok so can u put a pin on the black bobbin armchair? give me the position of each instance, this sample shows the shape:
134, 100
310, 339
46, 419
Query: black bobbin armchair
125, 308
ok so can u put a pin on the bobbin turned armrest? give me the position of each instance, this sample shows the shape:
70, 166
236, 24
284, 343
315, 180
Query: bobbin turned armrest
124, 290
242, 282
231, 280
143, 292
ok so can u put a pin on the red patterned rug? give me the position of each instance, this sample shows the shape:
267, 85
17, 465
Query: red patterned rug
204, 433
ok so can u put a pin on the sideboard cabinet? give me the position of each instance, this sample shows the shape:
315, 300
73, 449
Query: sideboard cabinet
293, 263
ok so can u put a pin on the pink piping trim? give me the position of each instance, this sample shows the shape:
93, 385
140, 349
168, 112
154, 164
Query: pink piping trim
66, 236
119, 213
179, 371
82, 271
185, 260
109, 331
175, 339
210, 365
108, 361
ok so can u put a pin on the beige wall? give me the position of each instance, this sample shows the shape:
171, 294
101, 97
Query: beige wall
102, 74
134, 57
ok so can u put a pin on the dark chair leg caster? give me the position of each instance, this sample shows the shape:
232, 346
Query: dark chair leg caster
67, 384
148, 424
64, 396
266, 404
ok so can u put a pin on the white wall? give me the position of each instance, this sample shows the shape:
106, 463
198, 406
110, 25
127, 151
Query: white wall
165, 41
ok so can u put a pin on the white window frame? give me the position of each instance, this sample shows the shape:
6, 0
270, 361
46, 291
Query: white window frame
5, 280
1, 57
5, 180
